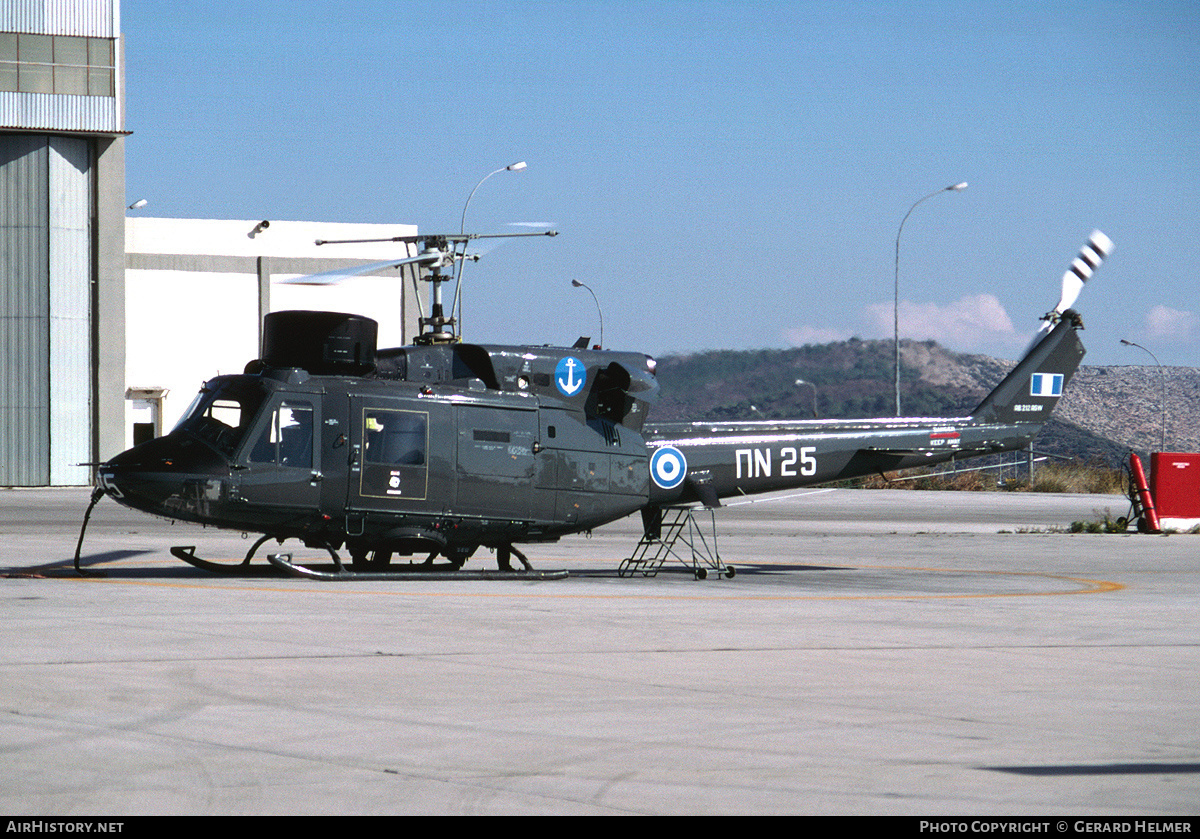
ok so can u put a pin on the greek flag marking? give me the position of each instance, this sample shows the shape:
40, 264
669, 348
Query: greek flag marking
1046, 384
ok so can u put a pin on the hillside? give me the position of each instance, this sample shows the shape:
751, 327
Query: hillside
1106, 410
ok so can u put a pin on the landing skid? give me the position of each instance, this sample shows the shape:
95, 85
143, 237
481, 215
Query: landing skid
188, 554
284, 563
651, 552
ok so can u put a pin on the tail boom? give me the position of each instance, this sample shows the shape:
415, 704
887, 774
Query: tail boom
706, 461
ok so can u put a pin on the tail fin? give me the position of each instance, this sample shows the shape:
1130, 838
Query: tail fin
1030, 392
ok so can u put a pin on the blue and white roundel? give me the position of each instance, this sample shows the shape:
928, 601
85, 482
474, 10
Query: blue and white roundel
668, 467
570, 376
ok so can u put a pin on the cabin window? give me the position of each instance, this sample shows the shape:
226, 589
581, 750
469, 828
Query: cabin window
288, 438
394, 453
396, 438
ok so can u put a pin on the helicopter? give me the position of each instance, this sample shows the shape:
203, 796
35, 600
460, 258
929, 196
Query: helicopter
443, 447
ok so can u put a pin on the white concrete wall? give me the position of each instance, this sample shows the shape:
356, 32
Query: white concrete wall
232, 237
186, 326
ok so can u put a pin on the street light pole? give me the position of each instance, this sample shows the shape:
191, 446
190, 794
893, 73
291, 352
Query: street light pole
1162, 378
578, 284
896, 307
512, 167
456, 307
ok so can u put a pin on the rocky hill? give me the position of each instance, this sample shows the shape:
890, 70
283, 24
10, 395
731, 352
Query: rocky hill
1106, 411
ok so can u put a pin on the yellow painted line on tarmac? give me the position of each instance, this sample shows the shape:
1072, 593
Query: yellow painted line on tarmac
547, 587
1088, 586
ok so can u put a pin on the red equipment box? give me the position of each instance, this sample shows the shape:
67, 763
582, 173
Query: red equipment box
1175, 486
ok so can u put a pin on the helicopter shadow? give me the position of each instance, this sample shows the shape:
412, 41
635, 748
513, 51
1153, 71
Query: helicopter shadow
768, 568
747, 569
64, 567
105, 565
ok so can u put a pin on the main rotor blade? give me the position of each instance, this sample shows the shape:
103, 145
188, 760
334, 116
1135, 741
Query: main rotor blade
336, 275
472, 249
444, 237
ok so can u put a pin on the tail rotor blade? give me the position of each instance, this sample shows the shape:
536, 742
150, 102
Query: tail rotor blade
1094, 252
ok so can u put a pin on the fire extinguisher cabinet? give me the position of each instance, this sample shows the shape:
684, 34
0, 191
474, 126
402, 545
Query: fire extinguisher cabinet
1175, 486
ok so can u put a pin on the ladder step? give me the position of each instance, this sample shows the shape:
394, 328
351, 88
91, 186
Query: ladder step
647, 562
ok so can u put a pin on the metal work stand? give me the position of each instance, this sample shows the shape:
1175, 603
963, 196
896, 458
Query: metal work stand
679, 524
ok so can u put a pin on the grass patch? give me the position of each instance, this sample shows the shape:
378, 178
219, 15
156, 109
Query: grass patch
1048, 477
1105, 523
1074, 477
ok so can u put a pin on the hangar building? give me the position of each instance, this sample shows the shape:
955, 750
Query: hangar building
62, 190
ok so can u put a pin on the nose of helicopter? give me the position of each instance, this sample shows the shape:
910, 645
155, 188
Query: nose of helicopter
169, 475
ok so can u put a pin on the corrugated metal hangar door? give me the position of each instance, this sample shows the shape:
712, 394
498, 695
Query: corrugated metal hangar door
46, 271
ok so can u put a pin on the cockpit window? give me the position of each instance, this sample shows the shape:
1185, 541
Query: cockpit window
288, 439
223, 412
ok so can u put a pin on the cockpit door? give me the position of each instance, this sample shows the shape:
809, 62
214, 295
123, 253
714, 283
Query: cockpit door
280, 463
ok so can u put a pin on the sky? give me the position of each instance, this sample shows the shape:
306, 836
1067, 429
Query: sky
723, 175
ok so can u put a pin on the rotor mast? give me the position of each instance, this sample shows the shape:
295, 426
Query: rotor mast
438, 252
